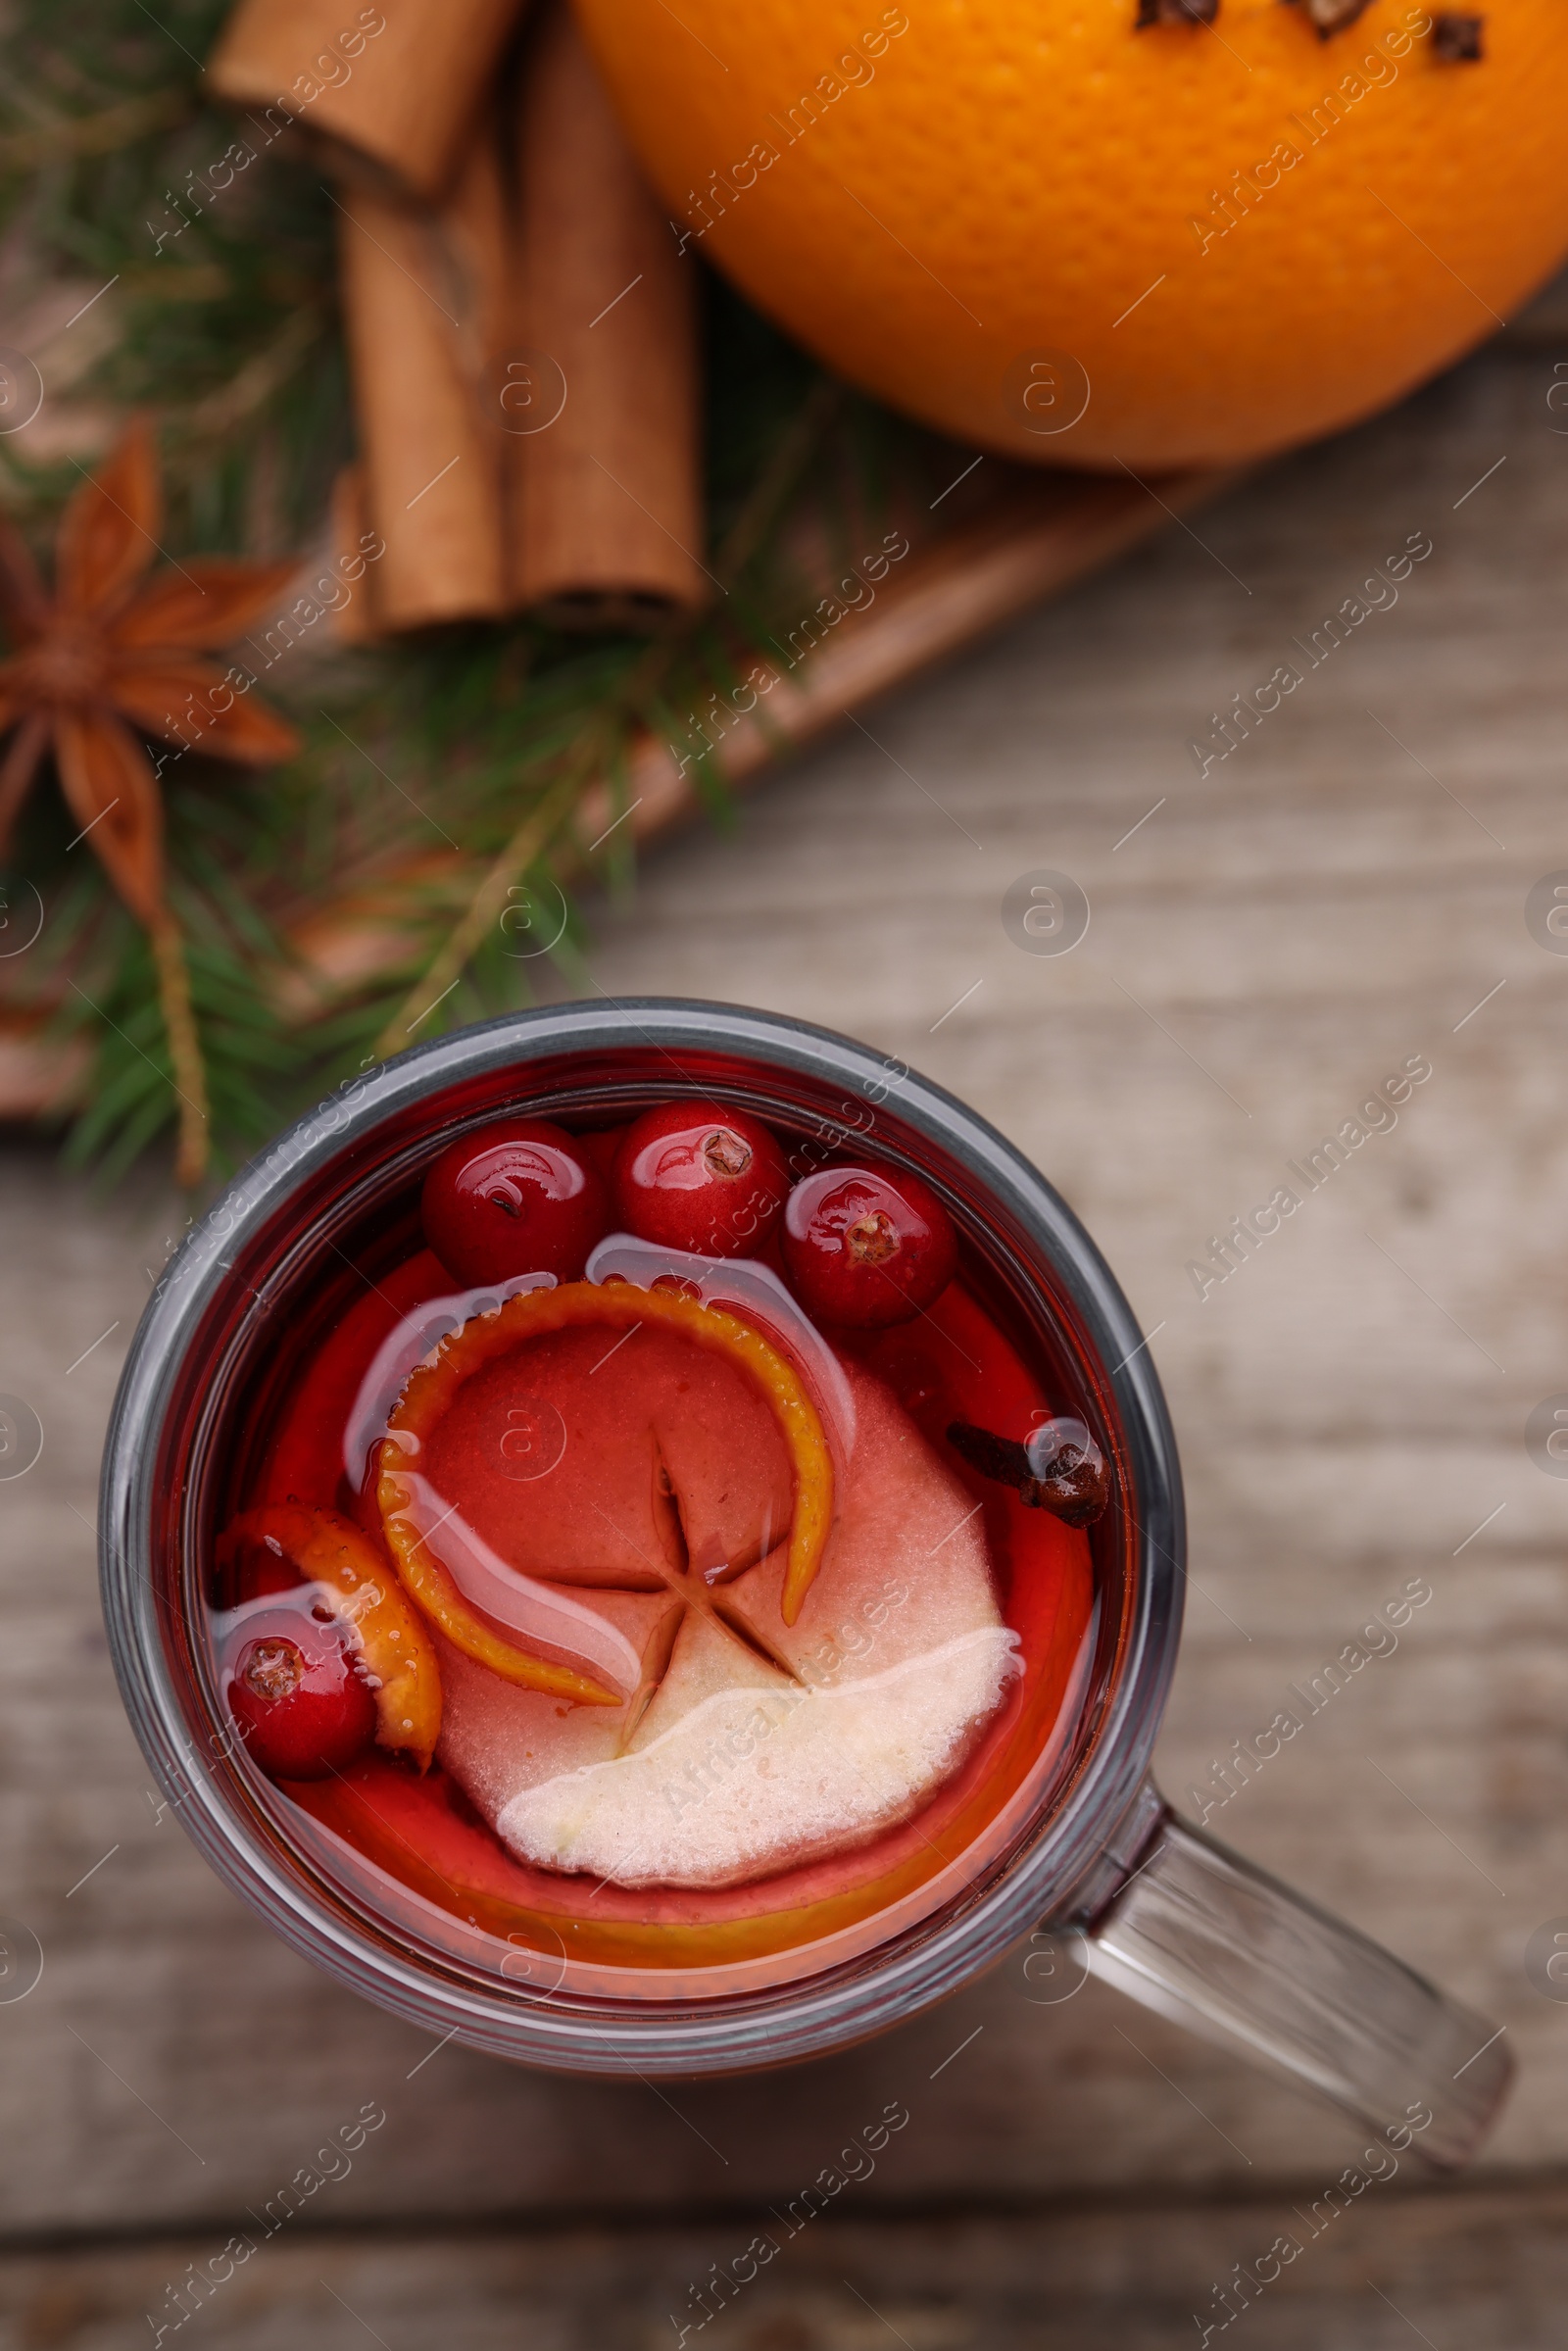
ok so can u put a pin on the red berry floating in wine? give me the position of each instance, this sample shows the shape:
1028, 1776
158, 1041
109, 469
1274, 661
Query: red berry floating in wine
303, 1707
694, 1176
519, 1197
867, 1248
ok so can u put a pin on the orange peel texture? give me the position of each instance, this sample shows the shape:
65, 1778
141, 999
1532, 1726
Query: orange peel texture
616, 1306
333, 1553
1225, 238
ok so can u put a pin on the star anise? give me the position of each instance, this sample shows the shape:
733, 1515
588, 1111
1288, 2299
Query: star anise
108, 658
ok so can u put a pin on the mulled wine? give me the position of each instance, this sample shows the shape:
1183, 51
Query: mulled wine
653, 1555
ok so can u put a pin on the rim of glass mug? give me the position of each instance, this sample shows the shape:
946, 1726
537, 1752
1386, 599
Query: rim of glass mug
362, 1145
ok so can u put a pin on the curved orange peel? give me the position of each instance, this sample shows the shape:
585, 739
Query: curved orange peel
331, 1551
612, 1307
432, 1587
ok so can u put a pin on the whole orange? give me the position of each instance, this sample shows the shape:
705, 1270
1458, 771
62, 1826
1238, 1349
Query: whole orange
1049, 232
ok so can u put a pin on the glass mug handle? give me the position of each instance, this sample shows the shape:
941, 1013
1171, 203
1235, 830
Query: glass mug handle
1218, 1945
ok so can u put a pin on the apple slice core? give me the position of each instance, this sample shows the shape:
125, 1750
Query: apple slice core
467, 1356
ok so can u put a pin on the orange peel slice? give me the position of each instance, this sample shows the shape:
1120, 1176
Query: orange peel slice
331, 1551
618, 1307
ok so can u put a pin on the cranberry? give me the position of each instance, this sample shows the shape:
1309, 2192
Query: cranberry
519, 1197
303, 1707
693, 1176
866, 1248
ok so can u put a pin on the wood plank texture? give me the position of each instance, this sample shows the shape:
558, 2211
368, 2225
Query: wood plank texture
1033, 536
1268, 941
1473, 2268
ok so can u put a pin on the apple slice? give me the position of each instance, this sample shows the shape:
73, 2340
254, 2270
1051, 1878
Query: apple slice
477, 1412
760, 1745
555, 1450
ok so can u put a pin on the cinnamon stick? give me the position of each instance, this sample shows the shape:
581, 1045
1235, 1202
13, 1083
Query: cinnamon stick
607, 500
423, 292
389, 91
352, 548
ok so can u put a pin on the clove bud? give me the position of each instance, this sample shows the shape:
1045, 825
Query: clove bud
1329, 17
1175, 12
1060, 1469
1456, 38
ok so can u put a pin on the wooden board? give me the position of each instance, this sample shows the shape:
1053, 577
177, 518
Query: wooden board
1268, 940
1027, 536
1480, 2266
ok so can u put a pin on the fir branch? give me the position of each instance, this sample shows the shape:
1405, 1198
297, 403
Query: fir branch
64, 137
601, 741
188, 1071
487, 738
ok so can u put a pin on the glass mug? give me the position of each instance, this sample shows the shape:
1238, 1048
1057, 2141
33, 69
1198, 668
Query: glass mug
1080, 1850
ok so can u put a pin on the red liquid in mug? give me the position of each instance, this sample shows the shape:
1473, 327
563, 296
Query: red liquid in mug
741, 1849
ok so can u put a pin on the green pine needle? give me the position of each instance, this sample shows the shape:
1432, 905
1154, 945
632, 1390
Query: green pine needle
222, 319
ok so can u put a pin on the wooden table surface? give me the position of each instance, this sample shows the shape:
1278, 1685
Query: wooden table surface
1268, 941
